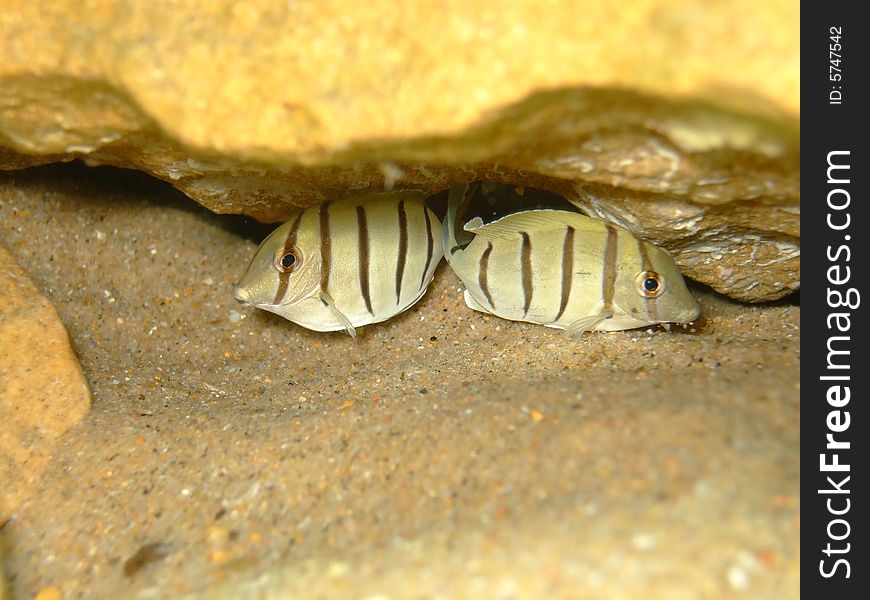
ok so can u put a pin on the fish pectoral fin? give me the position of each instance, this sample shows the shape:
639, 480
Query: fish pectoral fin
330, 303
473, 304
585, 324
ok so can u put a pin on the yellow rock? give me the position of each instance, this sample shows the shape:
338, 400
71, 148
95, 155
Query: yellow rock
4, 587
669, 117
306, 78
48, 593
42, 390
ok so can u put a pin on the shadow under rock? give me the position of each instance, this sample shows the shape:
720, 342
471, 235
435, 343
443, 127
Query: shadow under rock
97, 185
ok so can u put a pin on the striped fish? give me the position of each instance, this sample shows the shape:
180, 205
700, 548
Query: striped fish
562, 269
347, 263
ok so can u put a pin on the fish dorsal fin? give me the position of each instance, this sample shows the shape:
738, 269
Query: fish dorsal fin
532, 220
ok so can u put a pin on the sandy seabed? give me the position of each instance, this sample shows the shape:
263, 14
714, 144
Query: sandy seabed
445, 453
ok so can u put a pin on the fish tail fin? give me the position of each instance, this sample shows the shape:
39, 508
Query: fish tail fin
453, 236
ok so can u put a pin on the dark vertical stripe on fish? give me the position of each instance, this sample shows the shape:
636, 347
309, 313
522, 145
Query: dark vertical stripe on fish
325, 247
646, 265
526, 261
609, 278
482, 275
289, 243
364, 257
567, 270
429, 246
403, 250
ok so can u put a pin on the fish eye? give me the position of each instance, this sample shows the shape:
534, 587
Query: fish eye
286, 261
650, 284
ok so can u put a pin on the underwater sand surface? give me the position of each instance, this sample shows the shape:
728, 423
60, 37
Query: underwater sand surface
445, 453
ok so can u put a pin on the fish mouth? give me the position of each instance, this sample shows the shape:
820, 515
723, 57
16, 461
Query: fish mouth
241, 294
244, 296
691, 315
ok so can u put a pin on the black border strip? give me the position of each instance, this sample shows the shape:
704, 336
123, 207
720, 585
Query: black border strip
834, 256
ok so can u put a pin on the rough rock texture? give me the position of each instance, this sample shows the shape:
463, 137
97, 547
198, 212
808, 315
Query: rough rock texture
42, 390
444, 453
678, 119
